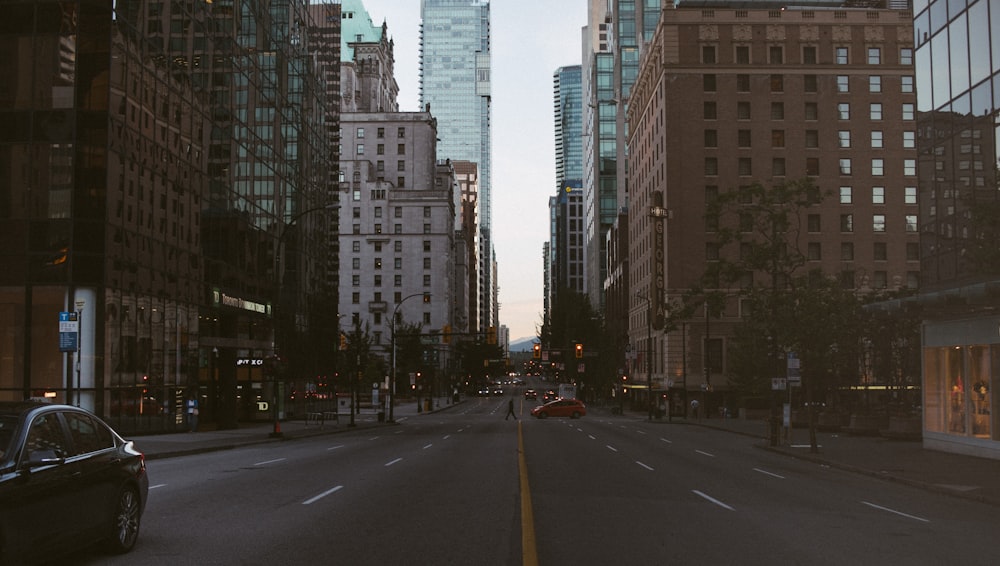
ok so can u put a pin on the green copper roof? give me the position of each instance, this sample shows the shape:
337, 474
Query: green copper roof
356, 25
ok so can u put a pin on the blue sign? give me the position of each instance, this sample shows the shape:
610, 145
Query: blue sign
69, 331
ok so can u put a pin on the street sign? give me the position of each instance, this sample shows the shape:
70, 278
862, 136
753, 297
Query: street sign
778, 384
69, 331
794, 375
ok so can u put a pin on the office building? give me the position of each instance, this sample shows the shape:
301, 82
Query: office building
727, 97
455, 51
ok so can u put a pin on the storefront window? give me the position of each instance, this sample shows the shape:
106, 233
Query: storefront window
933, 389
955, 382
979, 393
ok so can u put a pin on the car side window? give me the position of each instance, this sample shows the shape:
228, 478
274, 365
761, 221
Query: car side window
46, 436
88, 434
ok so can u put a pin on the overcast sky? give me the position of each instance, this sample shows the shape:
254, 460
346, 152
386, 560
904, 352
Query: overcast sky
530, 40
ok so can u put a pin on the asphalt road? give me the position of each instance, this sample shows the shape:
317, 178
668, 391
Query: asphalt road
448, 489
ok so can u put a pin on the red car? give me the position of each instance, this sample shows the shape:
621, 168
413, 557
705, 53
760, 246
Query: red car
572, 408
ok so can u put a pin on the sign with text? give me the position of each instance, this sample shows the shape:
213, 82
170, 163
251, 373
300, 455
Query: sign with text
69, 331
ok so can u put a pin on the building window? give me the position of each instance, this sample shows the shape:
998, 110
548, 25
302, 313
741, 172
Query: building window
356, 229
876, 139
356, 247
906, 56
878, 223
845, 165
878, 167
708, 110
361, 133
397, 228
777, 138
377, 263
810, 83
777, 110
814, 252
843, 84
812, 111
813, 223
910, 167
743, 110
906, 83
401, 165
844, 111
909, 139
875, 111
880, 279
401, 149
778, 166
907, 111
878, 195
360, 149
912, 251
708, 83
711, 166
841, 55
398, 246
380, 133
355, 280
708, 54
380, 149
427, 246
911, 222
847, 279
874, 56
812, 139
844, 138
427, 228
427, 263
777, 83
427, 280
742, 83
880, 251
812, 166
356, 263
355, 298
743, 54
397, 281
743, 138
744, 166
776, 54
847, 251
711, 138
397, 263
846, 222
846, 196
809, 55
875, 83
712, 251
910, 195
377, 280
378, 228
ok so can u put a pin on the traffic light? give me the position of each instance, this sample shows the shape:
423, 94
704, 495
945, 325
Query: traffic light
343, 341
536, 351
579, 350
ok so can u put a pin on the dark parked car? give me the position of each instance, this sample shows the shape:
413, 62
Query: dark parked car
67, 481
573, 408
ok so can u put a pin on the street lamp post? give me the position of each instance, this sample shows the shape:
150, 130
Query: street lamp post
79, 348
392, 386
278, 270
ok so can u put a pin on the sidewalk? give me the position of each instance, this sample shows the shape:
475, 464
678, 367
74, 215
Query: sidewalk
903, 461
158, 446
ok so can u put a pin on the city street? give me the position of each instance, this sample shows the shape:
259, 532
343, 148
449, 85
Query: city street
444, 488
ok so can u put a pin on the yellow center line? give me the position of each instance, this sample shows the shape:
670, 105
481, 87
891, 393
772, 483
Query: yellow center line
529, 554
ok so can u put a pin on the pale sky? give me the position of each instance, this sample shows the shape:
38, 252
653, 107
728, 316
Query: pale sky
530, 40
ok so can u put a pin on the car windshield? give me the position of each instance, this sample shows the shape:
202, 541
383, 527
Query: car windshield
7, 425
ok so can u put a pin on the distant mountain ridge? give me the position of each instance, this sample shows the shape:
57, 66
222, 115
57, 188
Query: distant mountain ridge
522, 344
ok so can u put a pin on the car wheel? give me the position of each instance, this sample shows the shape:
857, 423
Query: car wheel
543, 415
576, 415
125, 522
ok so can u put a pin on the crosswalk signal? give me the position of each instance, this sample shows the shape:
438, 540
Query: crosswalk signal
536, 351
579, 350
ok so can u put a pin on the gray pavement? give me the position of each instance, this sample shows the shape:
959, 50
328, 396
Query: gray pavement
903, 461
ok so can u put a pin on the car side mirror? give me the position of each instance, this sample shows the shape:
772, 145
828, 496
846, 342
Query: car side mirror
41, 458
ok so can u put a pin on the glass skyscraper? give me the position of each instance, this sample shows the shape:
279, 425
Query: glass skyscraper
455, 82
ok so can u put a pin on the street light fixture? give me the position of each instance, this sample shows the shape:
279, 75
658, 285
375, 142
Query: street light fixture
392, 386
278, 271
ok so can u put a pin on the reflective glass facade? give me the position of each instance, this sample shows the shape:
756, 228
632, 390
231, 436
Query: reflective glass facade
957, 61
455, 80
160, 167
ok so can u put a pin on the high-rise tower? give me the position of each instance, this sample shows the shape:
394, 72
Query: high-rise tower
455, 83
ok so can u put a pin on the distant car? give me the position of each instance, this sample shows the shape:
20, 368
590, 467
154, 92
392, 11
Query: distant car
484, 391
549, 395
572, 408
531, 394
498, 390
67, 481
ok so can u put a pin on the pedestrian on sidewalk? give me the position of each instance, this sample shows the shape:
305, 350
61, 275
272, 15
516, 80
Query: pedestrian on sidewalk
510, 410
